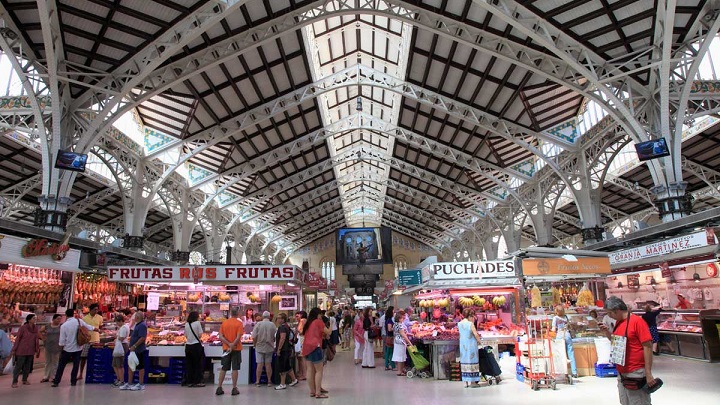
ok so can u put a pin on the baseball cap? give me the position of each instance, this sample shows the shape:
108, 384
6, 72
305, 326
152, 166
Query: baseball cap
266, 314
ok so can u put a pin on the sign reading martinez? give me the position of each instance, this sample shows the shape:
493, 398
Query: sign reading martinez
473, 270
227, 274
677, 244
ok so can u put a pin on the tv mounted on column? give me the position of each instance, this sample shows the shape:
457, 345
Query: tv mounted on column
652, 149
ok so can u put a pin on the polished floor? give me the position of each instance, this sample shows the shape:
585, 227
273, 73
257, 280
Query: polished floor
685, 381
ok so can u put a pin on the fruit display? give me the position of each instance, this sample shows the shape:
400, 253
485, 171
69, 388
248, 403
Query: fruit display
223, 297
276, 299
430, 331
482, 303
556, 294
194, 297
30, 285
585, 297
442, 303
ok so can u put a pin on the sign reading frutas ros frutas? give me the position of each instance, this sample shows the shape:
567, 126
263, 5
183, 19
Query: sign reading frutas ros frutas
203, 273
473, 270
677, 244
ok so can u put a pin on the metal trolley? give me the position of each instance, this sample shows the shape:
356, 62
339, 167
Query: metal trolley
541, 367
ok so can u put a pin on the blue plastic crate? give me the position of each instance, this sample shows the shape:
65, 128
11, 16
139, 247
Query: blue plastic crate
605, 370
520, 377
519, 368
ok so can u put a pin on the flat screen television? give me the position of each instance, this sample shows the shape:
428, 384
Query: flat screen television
364, 246
71, 161
652, 149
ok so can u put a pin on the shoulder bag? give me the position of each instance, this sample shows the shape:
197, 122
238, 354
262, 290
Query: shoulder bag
83, 335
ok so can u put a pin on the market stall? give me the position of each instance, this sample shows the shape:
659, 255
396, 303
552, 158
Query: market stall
212, 291
577, 283
491, 288
36, 276
680, 275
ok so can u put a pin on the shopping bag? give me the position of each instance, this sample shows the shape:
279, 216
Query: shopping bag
133, 361
419, 362
10, 366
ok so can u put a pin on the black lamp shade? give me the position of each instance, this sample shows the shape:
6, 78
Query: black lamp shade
696, 277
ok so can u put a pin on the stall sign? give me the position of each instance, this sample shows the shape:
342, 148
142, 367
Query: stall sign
473, 270
558, 266
410, 277
665, 247
665, 270
203, 273
633, 281
314, 281
389, 284
37, 253
43, 247
711, 269
153, 301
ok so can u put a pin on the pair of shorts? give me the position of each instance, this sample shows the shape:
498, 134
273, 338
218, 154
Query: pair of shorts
85, 350
262, 358
141, 361
118, 361
285, 361
316, 356
231, 361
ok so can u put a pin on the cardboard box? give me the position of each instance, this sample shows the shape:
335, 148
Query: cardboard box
585, 359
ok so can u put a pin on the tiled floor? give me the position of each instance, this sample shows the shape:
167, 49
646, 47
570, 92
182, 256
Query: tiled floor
686, 381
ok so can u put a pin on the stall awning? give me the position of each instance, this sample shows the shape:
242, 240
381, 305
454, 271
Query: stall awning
483, 282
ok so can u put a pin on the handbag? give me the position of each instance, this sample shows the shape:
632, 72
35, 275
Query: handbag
330, 352
633, 384
389, 341
373, 332
83, 335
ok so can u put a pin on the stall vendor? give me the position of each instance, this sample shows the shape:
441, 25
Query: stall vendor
683, 303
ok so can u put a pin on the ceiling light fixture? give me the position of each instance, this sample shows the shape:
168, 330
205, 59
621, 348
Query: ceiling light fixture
696, 277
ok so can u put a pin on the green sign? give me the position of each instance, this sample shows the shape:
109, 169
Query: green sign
409, 278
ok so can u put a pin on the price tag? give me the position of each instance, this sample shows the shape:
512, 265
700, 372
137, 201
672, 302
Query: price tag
224, 307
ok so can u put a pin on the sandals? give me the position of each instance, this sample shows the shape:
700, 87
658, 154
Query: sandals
401, 374
321, 396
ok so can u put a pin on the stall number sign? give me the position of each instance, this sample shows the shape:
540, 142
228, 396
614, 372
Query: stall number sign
473, 270
203, 273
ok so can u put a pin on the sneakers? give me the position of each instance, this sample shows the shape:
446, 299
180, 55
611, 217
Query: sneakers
137, 387
294, 383
118, 384
125, 387
280, 387
219, 391
235, 391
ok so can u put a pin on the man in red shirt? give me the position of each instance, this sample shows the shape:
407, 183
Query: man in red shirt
638, 351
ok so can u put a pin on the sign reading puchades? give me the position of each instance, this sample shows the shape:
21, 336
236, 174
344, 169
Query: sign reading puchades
668, 246
473, 270
224, 274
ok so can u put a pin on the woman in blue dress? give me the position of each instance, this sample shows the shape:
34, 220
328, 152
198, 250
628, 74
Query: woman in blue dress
469, 341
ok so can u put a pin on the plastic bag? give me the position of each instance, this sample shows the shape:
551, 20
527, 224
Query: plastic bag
133, 361
10, 366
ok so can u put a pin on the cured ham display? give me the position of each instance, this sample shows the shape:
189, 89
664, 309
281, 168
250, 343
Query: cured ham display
30, 285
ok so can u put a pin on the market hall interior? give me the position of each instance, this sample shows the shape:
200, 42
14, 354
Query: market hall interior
686, 381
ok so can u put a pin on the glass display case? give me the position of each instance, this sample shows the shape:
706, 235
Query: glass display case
681, 334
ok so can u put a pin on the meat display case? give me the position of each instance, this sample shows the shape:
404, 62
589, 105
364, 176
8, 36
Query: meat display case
683, 332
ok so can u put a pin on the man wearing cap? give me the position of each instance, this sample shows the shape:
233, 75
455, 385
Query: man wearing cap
263, 335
